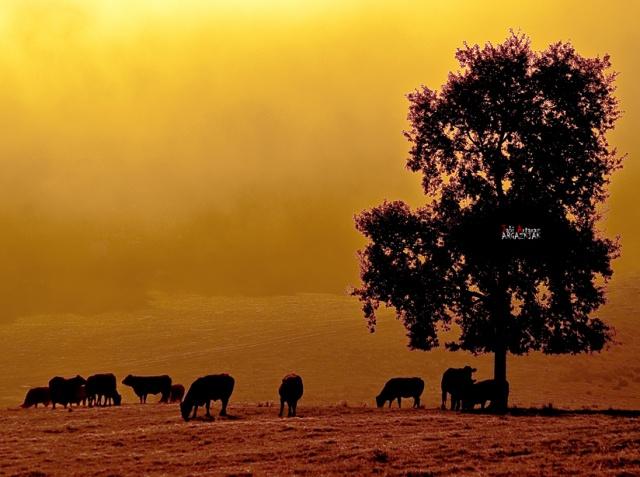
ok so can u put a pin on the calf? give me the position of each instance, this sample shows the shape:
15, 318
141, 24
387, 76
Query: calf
37, 396
203, 391
290, 392
144, 385
397, 388
103, 387
454, 381
483, 391
65, 391
177, 393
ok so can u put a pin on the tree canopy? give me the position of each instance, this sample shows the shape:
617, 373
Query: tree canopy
515, 162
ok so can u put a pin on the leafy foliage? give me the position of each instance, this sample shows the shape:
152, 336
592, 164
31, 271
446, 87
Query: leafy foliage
514, 137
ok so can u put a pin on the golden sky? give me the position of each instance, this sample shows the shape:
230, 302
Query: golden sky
222, 147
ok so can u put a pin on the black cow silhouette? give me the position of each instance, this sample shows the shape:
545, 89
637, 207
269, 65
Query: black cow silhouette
102, 390
66, 391
144, 385
397, 388
204, 390
454, 381
290, 391
177, 393
35, 396
483, 391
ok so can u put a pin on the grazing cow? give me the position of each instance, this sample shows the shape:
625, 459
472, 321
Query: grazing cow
177, 393
65, 391
397, 388
102, 390
37, 396
290, 391
144, 385
483, 391
205, 389
454, 381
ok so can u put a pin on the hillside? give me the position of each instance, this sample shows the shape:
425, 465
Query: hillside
321, 337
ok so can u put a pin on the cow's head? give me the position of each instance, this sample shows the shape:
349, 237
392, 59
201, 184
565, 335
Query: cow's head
127, 381
185, 409
79, 380
380, 400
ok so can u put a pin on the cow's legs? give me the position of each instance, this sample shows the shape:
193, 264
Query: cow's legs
281, 408
223, 412
399, 401
195, 410
390, 403
444, 400
207, 405
416, 401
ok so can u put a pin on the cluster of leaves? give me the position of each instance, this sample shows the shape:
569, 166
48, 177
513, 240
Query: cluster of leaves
516, 136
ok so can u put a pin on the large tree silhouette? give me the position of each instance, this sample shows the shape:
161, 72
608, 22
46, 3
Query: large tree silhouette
515, 161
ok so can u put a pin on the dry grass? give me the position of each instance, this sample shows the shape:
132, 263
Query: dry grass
330, 440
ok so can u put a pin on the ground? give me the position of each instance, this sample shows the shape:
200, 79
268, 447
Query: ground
152, 439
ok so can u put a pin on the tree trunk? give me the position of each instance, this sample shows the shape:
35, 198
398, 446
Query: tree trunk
500, 376
502, 316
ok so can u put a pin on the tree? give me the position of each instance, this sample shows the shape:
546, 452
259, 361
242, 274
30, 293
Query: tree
515, 162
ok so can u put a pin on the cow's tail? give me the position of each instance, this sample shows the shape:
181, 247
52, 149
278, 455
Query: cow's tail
444, 397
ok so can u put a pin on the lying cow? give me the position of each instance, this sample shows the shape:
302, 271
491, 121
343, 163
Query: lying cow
398, 388
483, 391
177, 393
204, 390
454, 381
37, 396
144, 385
65, 391
102, 390
290, 392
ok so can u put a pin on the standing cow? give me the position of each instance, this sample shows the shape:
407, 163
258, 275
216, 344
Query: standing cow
37, 396
398, 388
144, 385
454, 381
483, 391
204, 390
290, 392
102, 390
65, 391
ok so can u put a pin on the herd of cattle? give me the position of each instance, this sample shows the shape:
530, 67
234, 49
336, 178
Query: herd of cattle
101, 390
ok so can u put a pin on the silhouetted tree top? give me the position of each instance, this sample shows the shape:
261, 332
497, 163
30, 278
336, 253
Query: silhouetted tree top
514, 160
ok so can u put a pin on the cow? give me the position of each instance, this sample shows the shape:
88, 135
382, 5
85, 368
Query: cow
177, 393
397, 388
205, 389
290, 392
144, 385
483, 391
102, 390
454, 381
37, 396
65, 391
80, 395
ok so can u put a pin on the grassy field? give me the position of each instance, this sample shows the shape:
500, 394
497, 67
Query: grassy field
153, 440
